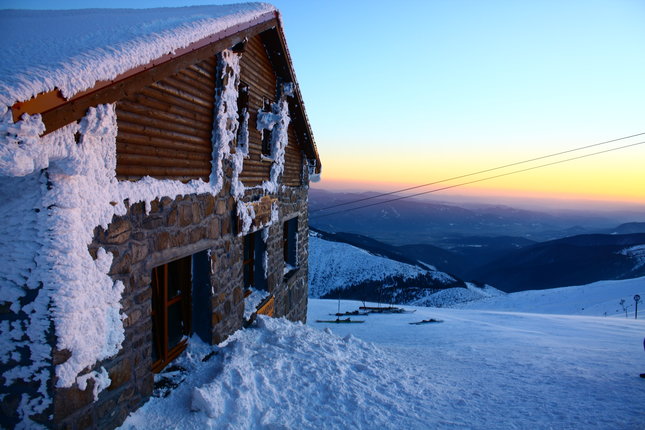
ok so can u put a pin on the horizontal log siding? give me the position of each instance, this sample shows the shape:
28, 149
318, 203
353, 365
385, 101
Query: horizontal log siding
292, 175
257, 71
165, 129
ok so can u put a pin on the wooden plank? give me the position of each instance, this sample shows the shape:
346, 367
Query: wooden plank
153, 103
172, 90
291, 157
163, 142
143, 130
133, 148
267, 307
207, 67
176, 178
193, 75
254, 175
205, 97
265, 78
256, 169
203, 72
257, 164
252, 71
154, 161
171, 125
162, 172
167, 97
131, 109
253, 61
193, 86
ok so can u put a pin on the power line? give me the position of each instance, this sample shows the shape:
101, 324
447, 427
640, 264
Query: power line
480, 180
476, 173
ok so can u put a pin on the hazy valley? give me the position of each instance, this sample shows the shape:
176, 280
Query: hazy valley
507, 248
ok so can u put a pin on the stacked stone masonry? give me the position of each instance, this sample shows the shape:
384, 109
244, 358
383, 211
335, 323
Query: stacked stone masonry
173, 229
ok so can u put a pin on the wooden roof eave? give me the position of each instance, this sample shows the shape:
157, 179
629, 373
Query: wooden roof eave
284, 66
57, 111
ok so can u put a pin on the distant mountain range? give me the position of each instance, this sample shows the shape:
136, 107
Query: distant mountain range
448, 225
575, 260
508, 248
506, 263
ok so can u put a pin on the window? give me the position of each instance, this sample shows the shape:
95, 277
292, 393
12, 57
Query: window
242, 116
266, 133
248, 262
242, 100
253, 261
173, 285
290, 245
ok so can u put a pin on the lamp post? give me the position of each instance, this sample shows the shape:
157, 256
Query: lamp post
637, 299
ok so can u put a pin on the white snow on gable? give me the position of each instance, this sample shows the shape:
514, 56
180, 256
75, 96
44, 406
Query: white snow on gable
58, 210
277, 120
85, 301
72, 50
227, 126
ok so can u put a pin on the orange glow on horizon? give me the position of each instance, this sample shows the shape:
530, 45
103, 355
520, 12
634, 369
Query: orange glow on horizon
480, 192
613, 177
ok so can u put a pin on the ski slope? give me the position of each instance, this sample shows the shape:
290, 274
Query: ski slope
596, 299
478, 369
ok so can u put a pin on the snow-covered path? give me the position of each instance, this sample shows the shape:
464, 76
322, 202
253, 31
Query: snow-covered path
476, 370
482, 369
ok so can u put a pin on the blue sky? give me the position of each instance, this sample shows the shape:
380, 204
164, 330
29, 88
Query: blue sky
413, 91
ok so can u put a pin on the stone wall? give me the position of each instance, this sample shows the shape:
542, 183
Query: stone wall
171, 230
291, 297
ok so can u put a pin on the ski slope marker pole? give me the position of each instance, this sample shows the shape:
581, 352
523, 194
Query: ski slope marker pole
637, 299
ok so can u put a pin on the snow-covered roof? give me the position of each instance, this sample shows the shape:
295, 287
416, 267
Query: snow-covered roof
68, 60
72, 50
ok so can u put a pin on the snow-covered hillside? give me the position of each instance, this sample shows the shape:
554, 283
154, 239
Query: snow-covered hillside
336, 265
637, 254
597, 299
475, 370
451, 297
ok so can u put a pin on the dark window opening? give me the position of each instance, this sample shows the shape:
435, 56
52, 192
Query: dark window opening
266, 133
242, 111
173, 316
248, 262
253, 261
290, 245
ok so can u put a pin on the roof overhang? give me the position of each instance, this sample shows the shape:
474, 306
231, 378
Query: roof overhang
57, 111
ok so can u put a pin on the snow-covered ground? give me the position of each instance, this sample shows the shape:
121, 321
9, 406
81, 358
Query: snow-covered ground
478, 369
453, 297
597, 299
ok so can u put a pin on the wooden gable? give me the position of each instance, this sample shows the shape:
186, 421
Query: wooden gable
258, 72
165, 128
165, 108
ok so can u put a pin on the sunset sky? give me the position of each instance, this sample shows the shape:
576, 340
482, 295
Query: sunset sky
410, 92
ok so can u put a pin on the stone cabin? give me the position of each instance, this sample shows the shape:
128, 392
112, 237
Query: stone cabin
154, 173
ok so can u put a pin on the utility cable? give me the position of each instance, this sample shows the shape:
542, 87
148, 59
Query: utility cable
481, 179
476, 173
